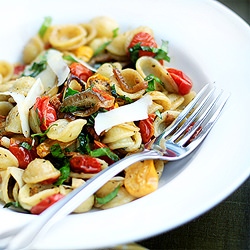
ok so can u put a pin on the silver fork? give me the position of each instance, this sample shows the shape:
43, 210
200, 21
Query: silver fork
173, 144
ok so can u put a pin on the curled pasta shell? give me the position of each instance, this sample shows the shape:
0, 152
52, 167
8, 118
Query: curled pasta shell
176, 100
11, 183
5, 108
32, 49
146, 65
67, 37
13, 122
117, 46
161, 99
31, 194
107, 69
121, 198
7, 159
65, 131
6, 71
167, 117
104, 26
40, 170
96, 43
91, 31
23, 85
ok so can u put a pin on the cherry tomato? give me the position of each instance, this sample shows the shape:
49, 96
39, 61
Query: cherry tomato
147, 129
47, 202
46, 112
146, 40
19, 69
80, 71
23, 155
105, 158
183, 81
85, 164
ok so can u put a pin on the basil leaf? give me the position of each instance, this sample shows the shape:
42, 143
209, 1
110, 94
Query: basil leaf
13, 203
70, 58
102, 47
151, 82
25, 145
115, 32
134, 52
35, 69
56, 151
44, 27
84, 147
108, 197
70, 109
157, 112
65, 170
70, 91
104, 151
125, 98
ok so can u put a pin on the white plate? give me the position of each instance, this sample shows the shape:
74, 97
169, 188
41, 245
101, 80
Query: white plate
210, 44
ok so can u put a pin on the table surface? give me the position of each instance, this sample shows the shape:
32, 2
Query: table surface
227, 226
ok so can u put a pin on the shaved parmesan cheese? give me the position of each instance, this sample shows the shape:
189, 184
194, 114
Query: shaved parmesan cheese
131, 112
48, 78
58, 65
24, 104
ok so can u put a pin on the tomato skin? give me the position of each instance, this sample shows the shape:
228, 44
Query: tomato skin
80, 71
19, 69
146, 40
147, 128
195, 133
182, 80
46, 112
99, 144
23, 155
85, 164
47, 202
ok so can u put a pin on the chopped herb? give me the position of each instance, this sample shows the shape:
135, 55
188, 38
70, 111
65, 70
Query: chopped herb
25, 145
160, 53
84, 147
43, 134
157, 112
61, 162
108, 197
115, 32
35, 69
151, 82
13, 203
70, 109
44, 27
70, 58
123, 97
38, 118
70, 91
102, 47
104, 151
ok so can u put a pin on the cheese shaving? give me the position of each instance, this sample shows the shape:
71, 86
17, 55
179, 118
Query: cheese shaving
58, 65
131, 112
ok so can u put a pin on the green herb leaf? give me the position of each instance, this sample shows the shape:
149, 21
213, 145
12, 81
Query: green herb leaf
102, 47
70, 91
70, 109
25, 145
104, 151
65, 170
13, 203
35, 69
108, 197
70, 58
157, 112
44, 27
84, 141
115, 32
151, 82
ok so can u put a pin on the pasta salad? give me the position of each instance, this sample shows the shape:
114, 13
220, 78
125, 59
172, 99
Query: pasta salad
84, 96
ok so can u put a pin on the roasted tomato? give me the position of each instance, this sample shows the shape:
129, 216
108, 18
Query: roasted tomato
80, 71
85, 164
146, 128
45, 111
47, 202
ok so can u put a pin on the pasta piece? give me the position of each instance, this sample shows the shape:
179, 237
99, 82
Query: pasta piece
96, 43
160, 124
40, 170
65, 131
141, 178
31, 194
6, 71
11, 182
32, 49
107, 69
117, 46
5, 108
176, 100
13, 122
121, 198
23, 85
104, 26
159, 167
67, 37
91, 31
148, 65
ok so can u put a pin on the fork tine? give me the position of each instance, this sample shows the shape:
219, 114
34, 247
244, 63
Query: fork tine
210, 123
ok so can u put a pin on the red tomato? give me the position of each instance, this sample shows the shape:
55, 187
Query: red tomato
47, 202
46, 112
80, 71
105, 158
147, 129
19, 69
183, 81
195, 133
85, 164
146, 40
23, 155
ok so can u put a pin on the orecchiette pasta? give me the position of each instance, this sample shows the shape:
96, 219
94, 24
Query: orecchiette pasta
62, 120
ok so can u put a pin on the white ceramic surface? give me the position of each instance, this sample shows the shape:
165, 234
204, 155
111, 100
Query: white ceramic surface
210, 44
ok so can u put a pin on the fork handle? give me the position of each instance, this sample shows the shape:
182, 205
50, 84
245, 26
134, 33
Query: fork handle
42, 223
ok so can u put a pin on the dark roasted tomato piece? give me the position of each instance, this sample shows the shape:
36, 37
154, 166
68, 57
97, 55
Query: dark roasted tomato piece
146, 128
85, 164
80, 71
